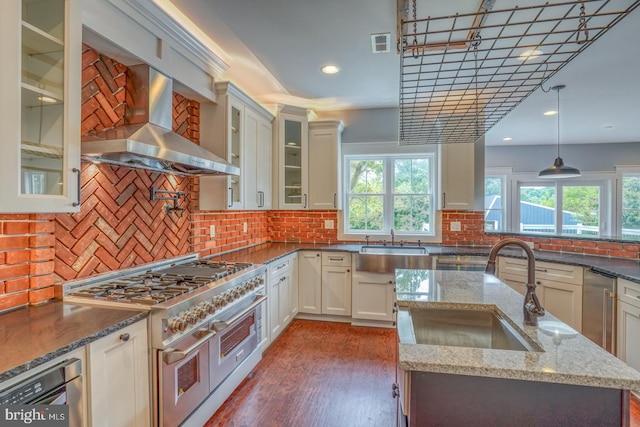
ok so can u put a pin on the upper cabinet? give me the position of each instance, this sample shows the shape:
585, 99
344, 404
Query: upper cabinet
290, 171
41, 46
325, 177
238, 130
462, 176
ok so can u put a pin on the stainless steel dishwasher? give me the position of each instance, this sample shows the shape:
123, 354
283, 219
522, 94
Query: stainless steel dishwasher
599, 309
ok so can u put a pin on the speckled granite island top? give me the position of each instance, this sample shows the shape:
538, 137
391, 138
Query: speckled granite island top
31, 336
570, 360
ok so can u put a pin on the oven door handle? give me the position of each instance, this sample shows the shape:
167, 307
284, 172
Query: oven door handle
171, 355
220, 325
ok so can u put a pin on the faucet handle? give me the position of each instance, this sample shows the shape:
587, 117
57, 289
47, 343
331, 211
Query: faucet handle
366, 238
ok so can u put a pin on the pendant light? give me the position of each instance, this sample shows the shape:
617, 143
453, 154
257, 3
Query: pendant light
559, 169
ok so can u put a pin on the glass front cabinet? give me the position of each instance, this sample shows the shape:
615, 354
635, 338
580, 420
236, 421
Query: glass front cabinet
40, 84
291, 171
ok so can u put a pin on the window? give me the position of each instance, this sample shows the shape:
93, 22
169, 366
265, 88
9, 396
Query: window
494, 203
631, 206
386, 192
580, 211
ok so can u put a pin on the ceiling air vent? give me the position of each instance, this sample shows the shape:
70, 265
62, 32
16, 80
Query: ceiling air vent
380, 43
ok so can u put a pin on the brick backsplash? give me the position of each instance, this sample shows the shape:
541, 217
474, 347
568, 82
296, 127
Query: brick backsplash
26, 259
303, 226
118, 226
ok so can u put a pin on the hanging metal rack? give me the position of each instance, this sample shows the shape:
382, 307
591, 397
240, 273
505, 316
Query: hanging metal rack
461, 74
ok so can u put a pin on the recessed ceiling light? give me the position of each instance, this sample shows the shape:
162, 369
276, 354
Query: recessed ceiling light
531, 53
550, 113
47, 99
507, 138
607, 127
330, 69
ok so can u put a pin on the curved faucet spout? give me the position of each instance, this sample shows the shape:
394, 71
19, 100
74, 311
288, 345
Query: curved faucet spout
532, 308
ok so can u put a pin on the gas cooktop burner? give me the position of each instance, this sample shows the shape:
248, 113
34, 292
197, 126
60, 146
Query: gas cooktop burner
162, 285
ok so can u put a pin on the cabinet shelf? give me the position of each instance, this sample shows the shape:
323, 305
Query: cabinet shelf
41, 150
35, 97
292, 167
293, 147
37, 41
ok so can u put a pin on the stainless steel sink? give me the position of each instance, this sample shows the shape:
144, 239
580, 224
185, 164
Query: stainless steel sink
386, 259
394, 250
463, 328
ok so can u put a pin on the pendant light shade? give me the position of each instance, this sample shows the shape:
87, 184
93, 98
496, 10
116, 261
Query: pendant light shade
559, 169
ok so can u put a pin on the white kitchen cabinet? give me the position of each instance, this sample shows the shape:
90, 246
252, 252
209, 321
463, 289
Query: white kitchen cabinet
290, 166
280, 278
336, 283
40, 43
628, 323
325, 173
373, 296
310, 282
457, 176
558, 286
119, 378
238, 130
293, 286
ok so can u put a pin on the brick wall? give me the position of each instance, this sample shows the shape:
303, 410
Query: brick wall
303, 226
26, 259
118, 226
472, 233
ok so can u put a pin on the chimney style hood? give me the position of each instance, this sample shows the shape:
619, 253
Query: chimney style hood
146, 140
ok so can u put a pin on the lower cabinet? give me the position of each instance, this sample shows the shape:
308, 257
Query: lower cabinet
373, 296
336, 283
119, 380
280, 293
628, 323
310, 282
558, 287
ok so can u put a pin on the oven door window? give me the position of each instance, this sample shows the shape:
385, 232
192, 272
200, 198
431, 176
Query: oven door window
187, 376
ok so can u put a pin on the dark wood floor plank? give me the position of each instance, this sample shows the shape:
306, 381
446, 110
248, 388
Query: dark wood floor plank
318, 374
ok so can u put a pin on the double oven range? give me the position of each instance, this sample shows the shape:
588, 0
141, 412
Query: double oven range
205, 320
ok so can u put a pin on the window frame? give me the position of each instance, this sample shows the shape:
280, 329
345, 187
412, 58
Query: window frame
604, 227
390, 151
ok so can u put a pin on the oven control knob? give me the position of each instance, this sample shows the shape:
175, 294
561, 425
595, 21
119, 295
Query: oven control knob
209, 308
229, 297
200, 312
177, 324
192, 318
218, 302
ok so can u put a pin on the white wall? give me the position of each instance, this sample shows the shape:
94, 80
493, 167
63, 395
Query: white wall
586, 157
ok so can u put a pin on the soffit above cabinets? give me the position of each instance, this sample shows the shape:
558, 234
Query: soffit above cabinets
461, 74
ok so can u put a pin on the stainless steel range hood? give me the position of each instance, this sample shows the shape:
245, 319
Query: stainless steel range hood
146, 140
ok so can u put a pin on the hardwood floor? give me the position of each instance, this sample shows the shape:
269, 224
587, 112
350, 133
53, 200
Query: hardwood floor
324, 374
318, 374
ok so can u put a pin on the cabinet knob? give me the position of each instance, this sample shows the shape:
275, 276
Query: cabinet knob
538, 282
348, 271
125, 337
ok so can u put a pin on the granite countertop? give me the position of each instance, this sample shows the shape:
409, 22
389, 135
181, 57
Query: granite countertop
33, 335
570, 360
269, 252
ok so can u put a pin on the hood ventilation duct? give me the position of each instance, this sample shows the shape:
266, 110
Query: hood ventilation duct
146, 140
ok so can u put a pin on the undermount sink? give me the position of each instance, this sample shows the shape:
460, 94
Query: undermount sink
483, 328
394, 250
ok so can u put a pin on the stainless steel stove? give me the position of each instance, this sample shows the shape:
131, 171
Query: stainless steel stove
206, 319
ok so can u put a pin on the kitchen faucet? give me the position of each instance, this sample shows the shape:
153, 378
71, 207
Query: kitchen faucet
531, 307
392, 237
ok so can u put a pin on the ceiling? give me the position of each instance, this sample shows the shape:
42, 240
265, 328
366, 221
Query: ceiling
275, 50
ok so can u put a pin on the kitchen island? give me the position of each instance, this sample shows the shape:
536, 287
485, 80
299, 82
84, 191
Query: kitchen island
564, 379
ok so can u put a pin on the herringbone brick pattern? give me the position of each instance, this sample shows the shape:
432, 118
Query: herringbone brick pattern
186, 117
103, 91
118, 226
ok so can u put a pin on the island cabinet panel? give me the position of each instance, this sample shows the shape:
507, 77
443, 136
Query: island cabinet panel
628, 327
458, 400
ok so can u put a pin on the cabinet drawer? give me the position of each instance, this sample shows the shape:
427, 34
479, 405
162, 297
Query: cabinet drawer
279, 266
544, 270
337, 259
629, 292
